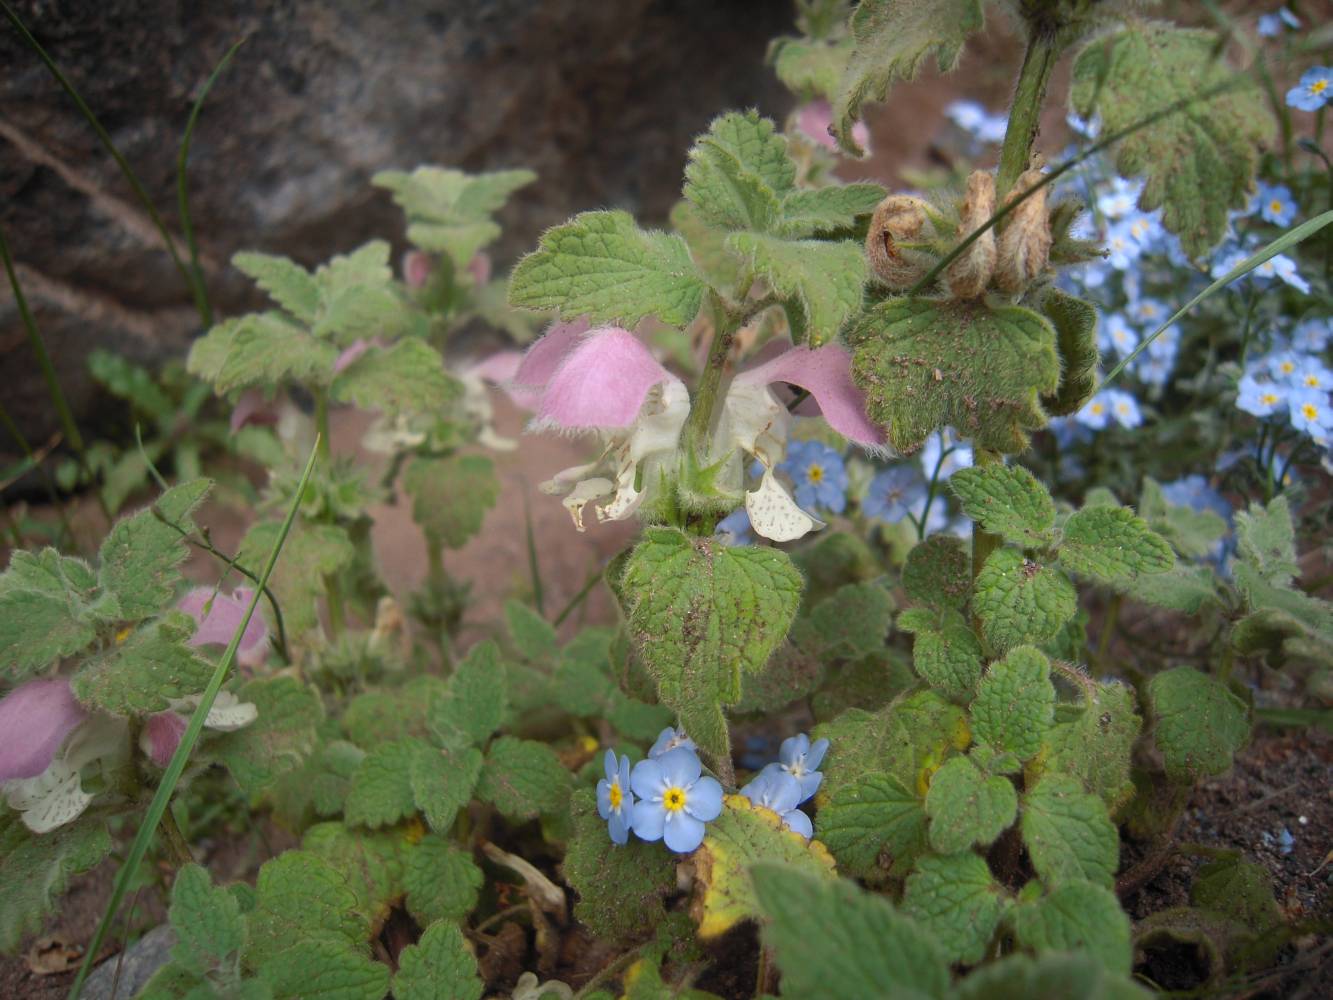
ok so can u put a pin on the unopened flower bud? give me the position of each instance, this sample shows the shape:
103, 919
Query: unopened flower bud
898, 218
968, 276
1025, 244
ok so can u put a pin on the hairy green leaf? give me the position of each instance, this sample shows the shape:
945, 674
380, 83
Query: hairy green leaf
301, 897
1015, 703
1077, 916
1006, 500
1094, 743
279, 740
957, 902
945, 652
141, 555
321, 969
1068, 834
1017, 977
473, 706
381, 791
523, 778
373, 861
442, 783
451, 496
36, 869
824, 279
267, 350
146, 672
442, 882
939, 572
810, 68
738, 172
872, 822
44, 613
408, 377
1112, 545
967, 807
1075, 322
286, 282
207, 920
1199, 724
438, 967
1020, 601
827, 210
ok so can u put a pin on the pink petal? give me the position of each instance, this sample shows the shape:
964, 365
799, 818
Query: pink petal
417, 267
350, 353
542, 359
251, 408
35, 718
826, 372
602, 382
499, 368
162, 735
219, 623
814, 119
480, 267
861, 136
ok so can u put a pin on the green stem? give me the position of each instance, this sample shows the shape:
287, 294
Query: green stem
699, 424
1108, 629
332, 588
1025, 110
176, 844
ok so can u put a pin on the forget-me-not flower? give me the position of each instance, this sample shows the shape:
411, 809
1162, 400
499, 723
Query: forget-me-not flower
670, 739
1124, 408
1095, 413
1310, 413
801, 759
818, 474
1117, 335
615, 801
1311, 374
892, 493
1120, 197
1275, 203
735, 529
1261, 399
781, 792
1312, 92
675, 799
1122, 248
1312, 335
1271, 25
933, 454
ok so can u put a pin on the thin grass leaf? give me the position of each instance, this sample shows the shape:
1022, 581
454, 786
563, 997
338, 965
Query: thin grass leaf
202, 302
533, 567
32, 462
105, 138
1288, 239
578, 598
172, 774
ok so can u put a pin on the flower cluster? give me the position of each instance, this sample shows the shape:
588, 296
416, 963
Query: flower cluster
1294, 384
667, 796
977, 122
606, 381
912, 490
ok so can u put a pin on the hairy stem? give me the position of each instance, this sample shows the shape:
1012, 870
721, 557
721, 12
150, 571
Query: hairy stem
1025, 110
698, 426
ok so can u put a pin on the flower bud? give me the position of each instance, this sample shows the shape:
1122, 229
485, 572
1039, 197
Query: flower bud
898, 218
1025, 244
968, 276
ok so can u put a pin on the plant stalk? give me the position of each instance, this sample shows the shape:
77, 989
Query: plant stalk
332, 588
1025, 110
176, 844
699, 424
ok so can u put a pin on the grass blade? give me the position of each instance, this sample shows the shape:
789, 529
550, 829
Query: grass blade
202, 302
1287, 240
34, 462
105, 138
538, 596
162, 798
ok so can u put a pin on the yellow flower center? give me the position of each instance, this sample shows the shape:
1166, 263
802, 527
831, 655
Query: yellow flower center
1288, 367
1275, 207
815, 474
615, 795
1312, 381
123, 634
1309, 411
1318, 87
674, 799
1098, 409
1268, 399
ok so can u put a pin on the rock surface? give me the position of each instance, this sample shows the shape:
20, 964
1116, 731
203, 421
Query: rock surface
601, 99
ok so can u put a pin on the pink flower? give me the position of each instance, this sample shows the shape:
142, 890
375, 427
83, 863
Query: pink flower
814, 119
218, 620
252, 408
350, 353
479, 267
498, 369
35, 719
417, 268
162, 732
541, 360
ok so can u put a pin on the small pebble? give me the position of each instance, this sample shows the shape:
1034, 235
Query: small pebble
1303, 820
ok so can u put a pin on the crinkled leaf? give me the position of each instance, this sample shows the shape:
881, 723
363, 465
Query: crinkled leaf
267, 350
1199, 723
1193, 533
1020, 601
810, 68
827, 210
301, 897
1068, 834
146, 672
738, 172
1197, 163
851, 623
381, 791
373, 861
207, 921
957, 902
1077, 916
279, 740
321, 969
1075, 322
1266, 540
600, 264
442, 882
824, 279
620, 886
1006, 500
533, 635
36, 869
286, 282
862, 946
141, 556
1015, 703
926, 364
892, 38
967, 807
939, 572
365, 267
1182, 588
442, 783
945, 652
438, 967
44, 615
523, 778
1094, 743
700, 614
473, 705
1112, 545
741, 836
1020, 977
312, 552
873, 820
408, 377
451, 496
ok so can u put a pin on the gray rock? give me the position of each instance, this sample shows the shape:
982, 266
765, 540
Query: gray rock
137, 965
601, 99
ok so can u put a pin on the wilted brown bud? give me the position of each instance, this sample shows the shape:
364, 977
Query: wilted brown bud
968, 276
1025, 244
899, 218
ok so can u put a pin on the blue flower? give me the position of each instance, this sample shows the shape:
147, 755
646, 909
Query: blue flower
1149, 312
892, 493
1121, 246
1124, 408
734, 529
615, 801
801, 759
1116, 335
1143, 229
674, 800
1271, 25
1282, 366
1312, 92
976, 121
1310, 413
1119, 198
670, 739
1261, 399
1095, 412
1153, 371
1275, 204
1311, 374
1312, 335
777, 790
959, 456
818, 474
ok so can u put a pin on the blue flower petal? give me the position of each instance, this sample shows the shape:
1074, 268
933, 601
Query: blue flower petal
683, 832
609, 764
647, 819
680, 768
622, 774
604, 798
800, 822
646, 780
809, 782
704, 800
815, 755
618, 826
